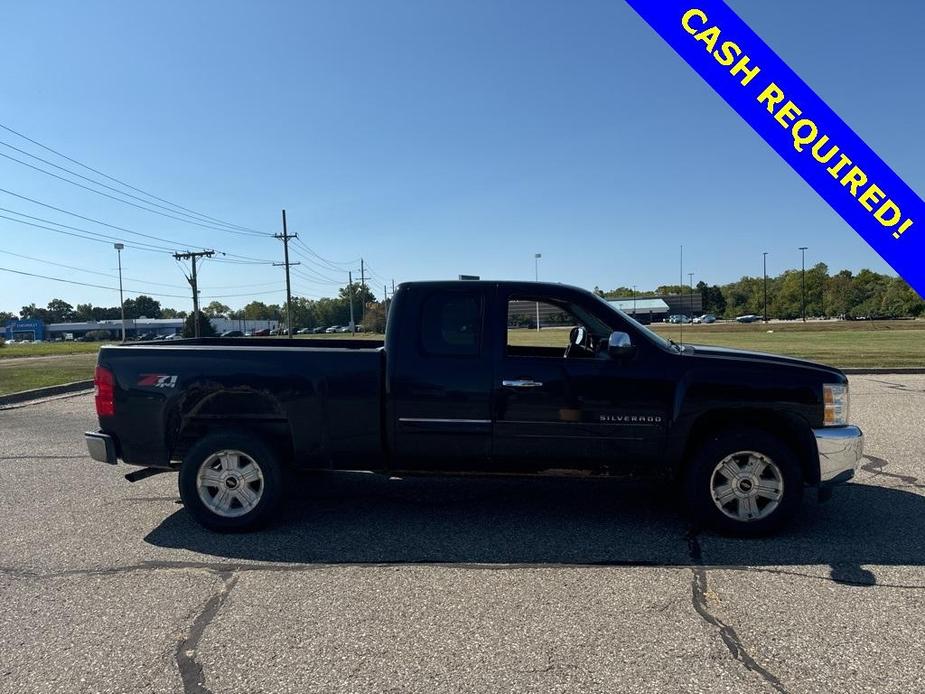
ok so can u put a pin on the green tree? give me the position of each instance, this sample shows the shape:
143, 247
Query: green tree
257, 310
205, 327
142, 306
59, 311
216, 309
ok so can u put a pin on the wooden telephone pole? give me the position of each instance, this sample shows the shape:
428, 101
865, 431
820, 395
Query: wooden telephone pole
193, 257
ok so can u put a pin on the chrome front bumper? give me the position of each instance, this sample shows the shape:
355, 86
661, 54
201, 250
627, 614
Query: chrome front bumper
840, 453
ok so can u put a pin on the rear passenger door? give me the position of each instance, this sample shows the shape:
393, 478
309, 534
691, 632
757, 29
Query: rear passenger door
441, 384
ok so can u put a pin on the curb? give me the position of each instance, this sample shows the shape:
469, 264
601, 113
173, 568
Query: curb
38, 393
885, 370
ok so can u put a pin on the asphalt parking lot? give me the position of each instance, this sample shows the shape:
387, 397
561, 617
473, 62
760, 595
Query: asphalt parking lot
439, 585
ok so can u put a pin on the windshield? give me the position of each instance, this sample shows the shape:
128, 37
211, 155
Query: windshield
647, 331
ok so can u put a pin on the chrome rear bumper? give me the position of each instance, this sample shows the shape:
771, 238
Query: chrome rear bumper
101, 447
840, 453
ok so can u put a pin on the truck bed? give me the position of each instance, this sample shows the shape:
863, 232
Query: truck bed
321, 398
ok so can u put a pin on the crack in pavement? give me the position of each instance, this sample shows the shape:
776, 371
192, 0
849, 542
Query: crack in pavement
727, 633
191, 670
898, 386
875, 467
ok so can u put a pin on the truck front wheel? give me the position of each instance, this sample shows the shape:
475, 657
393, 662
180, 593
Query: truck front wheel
230, 482
744, 483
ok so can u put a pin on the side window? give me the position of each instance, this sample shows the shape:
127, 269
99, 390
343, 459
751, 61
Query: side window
554, 322
451, 324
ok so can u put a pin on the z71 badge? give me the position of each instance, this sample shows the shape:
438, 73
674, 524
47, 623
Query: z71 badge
157, 380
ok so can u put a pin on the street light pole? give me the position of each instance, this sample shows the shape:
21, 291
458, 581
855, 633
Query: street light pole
765, 255
634, 301
536, 277
803, 250
119, 247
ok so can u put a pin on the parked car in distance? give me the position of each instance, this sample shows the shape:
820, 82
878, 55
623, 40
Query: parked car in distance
175, 336
706, 318
749, 318
332, 329
232, 333
736, 435
318, 331
264, 332
678, 318
304, 331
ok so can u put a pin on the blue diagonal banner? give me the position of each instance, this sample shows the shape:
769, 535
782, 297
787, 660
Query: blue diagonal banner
799, 126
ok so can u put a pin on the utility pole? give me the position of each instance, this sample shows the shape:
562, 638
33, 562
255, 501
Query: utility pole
634, 301
193, 257
690, 281
681, 288
362, 286
803, 250
353, 325
119, 247
536, 278
285, 236
765, 256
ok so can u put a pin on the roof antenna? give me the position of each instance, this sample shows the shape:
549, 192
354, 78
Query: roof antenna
681, 287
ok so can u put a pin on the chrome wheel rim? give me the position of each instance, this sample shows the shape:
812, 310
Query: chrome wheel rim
230, 483
747, 486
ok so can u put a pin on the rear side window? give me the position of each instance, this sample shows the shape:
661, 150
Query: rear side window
451, 324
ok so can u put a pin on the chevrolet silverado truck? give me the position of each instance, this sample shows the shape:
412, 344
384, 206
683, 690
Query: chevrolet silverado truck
479, 377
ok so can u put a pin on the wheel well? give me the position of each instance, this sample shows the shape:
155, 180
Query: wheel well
273, 433
793, 431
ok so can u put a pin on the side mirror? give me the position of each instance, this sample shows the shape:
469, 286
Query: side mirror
619, 345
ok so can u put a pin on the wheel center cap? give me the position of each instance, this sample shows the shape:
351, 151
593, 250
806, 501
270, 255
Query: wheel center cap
231, 482
745, 485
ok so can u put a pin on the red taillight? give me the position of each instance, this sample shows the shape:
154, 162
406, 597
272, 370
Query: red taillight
105, 392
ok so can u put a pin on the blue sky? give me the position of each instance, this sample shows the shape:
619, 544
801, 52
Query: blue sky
432, 139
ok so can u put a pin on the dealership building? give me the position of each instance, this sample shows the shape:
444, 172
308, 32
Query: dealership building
134, 327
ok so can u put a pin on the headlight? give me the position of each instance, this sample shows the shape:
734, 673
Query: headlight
835, 398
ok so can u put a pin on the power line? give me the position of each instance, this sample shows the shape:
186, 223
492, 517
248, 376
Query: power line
89, 272
177, 244
136, 279
316, 267
127, 185
313, 279
87, 284
102, 238
108, 187
335, 265
126, 202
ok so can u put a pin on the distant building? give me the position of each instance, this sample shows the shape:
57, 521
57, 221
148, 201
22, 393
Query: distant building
645, 310
134, 327
25, 330
653, 309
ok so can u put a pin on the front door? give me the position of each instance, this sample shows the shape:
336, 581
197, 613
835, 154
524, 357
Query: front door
581, 410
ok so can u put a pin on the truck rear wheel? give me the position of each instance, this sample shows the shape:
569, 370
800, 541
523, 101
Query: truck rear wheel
230, 482
744, 483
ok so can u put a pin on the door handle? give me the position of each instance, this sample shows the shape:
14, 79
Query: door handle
521, 384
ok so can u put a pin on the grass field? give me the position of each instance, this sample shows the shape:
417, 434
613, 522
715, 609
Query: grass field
26, 374
839, 343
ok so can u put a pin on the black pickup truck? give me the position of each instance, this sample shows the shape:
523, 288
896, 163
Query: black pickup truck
466, 382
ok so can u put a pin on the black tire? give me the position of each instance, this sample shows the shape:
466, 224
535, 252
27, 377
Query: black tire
700, 482
246, 515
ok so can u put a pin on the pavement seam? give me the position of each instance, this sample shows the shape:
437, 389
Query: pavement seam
728, 634
191, 671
